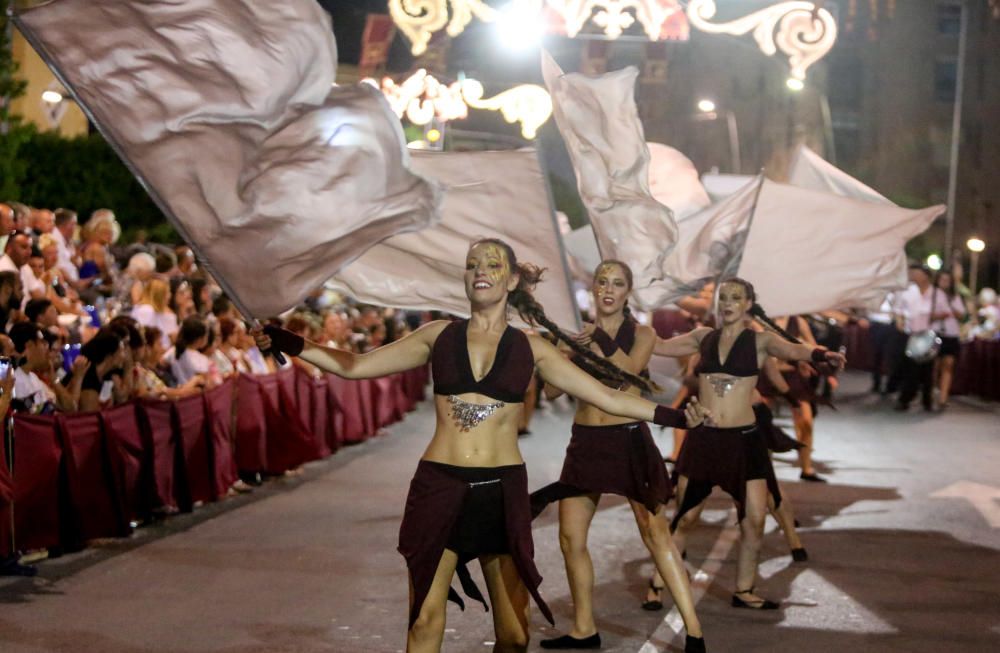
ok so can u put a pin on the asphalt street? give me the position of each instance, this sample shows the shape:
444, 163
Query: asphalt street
904, 545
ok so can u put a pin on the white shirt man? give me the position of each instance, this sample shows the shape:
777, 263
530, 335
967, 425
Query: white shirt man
917, 306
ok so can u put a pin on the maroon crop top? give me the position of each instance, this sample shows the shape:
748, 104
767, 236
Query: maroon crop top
742, 359
625, 339
507, 380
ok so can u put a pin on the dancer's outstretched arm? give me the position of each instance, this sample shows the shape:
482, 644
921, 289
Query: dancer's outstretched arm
413, 350
775, 345
685, 344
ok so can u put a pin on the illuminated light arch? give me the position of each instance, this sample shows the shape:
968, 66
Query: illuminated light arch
798, 28
422, 98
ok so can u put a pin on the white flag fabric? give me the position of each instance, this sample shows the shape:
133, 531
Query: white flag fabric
226, 111
710, 246
812, 251
674, 182
810, 170
487, 194
599, 122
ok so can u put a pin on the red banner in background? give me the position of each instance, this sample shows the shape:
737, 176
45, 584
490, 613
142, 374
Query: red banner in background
375, 42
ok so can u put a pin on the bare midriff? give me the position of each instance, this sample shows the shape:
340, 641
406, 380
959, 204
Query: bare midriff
591, 415
491, 443
735, 407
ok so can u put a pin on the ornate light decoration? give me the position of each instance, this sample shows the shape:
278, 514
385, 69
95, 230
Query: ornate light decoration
420, 19
612, 15
798, 28
422, 98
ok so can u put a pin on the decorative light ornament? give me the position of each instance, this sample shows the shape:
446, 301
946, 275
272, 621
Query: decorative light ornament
422, 98
420, 19
798, 28
612, 15
934, 262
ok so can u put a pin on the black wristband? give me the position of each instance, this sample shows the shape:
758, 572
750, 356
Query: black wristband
667, 416
818, 355
284, 340
604, 341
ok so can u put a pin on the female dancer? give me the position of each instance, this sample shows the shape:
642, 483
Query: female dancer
801, 395
469, 497
950, 345
732, 454
614, 455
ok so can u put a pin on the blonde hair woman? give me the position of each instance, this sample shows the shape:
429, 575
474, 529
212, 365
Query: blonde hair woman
153, 310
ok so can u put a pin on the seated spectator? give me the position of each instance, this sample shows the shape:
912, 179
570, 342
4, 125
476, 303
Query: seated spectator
153, 310
15, 259
10, 298
97, 265
222, 307
43, 221
107, 353
59, 288
6, 223
201, 295
299, 325
43, 313
185, 358
32, 394
336, 332
132, 282
232, 336
6, 346
181, 298
220, 365
65, 237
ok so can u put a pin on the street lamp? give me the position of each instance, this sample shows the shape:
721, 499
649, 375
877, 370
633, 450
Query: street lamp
934, 262
52, 97
706, 111
975, 245
795, 84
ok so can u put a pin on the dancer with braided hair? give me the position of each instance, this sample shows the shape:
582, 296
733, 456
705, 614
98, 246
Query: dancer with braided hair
732, 453
469, 496
609, 454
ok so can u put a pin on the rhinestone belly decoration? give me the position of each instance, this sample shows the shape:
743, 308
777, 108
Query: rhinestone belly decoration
468, 415
722, 384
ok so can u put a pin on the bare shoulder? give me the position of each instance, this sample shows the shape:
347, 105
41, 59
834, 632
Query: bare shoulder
700, 333
540, 346
645, 331
429, 332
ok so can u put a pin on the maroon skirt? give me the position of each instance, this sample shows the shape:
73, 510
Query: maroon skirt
774, 436
444, 509
621, 459
724, 457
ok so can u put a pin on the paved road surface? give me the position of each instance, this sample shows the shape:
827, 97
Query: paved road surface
308, 564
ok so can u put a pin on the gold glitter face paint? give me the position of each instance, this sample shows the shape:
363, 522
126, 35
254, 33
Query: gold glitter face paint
493, 258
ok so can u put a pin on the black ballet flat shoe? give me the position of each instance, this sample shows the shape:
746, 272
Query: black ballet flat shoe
694, 645
758, 604
812, 478
568, 643
656, 604
800, 555
797, 524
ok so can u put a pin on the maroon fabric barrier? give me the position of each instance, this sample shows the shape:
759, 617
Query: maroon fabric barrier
37, 482
346, 396
157, 419
251, 425
859, 347
977, 371
127, 454
384, 401
98, 508
366, 397
219, 407
194, 464
290, 443
311, 396
6, 496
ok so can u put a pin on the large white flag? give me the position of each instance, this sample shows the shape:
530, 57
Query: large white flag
487, 194
599, 122
810, 170
226, 111
812, 251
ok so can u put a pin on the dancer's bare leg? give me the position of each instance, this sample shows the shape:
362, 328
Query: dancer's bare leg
510, 600
427, 632
751, 535
575, 515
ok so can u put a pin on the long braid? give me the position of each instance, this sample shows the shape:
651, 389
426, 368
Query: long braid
532, 312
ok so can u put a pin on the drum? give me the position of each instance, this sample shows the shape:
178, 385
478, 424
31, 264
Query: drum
923, 346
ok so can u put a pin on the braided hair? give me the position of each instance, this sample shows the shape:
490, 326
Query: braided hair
757, 311
533, 313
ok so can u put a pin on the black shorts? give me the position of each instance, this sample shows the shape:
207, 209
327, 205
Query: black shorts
950, 346
481, 527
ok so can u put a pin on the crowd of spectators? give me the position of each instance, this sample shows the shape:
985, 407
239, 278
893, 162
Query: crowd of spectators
90, 323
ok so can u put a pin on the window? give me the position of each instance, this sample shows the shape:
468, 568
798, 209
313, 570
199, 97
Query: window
949, 19
945, 80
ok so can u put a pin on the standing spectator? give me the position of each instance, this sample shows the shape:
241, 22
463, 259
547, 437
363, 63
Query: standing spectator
153, 310
32, 394
949, 331
923, 305
65, 234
